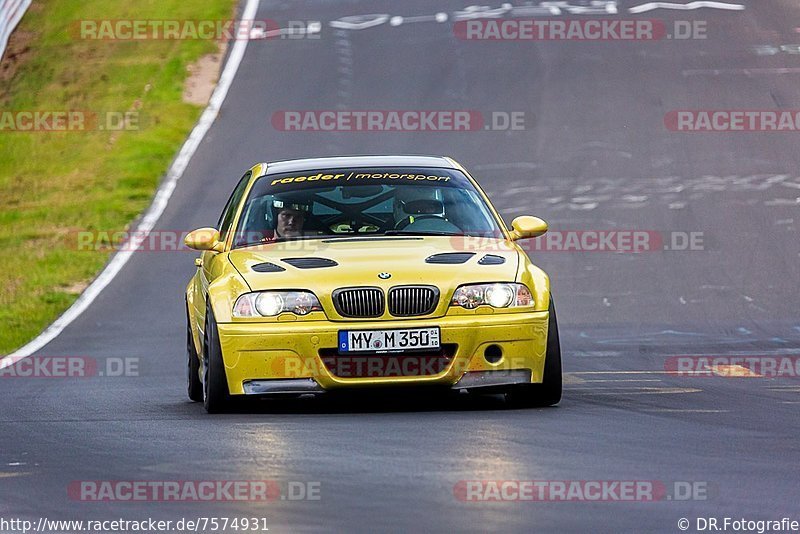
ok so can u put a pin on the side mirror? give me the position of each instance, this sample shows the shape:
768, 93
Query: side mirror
527, 226
204, 239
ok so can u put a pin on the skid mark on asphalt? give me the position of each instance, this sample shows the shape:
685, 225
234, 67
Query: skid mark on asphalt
632, 391
651, 372
672, 191
622, 380
570, 378
785, 389
744, 72
678, 410
579, 383
12, 475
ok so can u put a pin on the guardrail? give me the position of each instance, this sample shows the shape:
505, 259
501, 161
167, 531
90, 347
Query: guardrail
11, 12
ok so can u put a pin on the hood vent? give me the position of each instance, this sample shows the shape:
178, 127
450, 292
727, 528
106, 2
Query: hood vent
450, 257
491, 259
309, 263
267, 267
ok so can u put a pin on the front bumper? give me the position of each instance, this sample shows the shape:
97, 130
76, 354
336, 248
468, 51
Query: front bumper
266, 358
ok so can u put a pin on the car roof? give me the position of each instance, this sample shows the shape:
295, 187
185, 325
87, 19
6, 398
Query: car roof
338, 162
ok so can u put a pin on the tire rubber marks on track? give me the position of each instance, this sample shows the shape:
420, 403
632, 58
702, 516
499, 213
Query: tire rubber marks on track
678, 410
632, 391
553, 8
749, 72
672, 191
583, 385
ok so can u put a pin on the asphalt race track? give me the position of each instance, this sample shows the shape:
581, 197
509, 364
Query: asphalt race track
593, 154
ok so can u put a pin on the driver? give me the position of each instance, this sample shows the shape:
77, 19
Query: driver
290, 221
405, 212
289, 216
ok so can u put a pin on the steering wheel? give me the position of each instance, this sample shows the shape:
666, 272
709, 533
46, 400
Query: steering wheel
406, 221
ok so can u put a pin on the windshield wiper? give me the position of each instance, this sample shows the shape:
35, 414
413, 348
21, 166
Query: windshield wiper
404, 232
281, 240
388, 233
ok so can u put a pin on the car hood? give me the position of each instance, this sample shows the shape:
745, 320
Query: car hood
328, 264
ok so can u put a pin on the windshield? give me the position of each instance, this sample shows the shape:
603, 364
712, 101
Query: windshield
363, 203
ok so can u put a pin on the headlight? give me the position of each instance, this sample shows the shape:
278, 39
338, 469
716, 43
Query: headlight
272, 303
494, 295
269, 304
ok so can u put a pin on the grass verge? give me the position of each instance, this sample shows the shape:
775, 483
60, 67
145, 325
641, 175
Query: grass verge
54, 184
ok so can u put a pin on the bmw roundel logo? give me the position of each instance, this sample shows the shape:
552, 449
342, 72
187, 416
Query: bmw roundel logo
384, 276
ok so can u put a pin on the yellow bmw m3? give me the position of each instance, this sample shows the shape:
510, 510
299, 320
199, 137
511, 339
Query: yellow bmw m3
367, 272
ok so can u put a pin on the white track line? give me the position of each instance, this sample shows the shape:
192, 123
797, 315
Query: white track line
155, 210
691, 5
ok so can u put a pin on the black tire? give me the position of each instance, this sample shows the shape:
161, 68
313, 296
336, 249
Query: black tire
194, 384
548, 392
216, 396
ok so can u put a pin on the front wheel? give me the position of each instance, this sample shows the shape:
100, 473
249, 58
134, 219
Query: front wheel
548, 392
216, 397
194, 386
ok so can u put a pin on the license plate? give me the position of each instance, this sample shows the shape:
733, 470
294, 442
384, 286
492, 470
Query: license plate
388, 340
